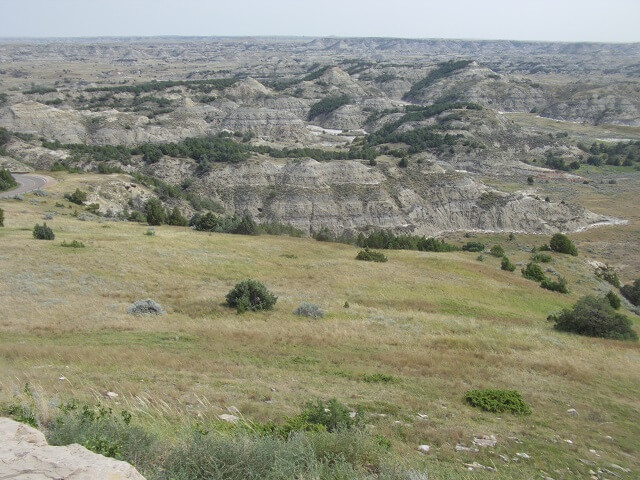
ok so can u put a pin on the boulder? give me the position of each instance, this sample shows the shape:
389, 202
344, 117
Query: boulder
25, 454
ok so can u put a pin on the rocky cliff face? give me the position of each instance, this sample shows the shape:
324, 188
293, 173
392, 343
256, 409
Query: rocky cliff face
349, 196
25, 454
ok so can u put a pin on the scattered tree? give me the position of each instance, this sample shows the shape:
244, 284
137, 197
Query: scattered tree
250, 295
154, 212
632, 292
43, 232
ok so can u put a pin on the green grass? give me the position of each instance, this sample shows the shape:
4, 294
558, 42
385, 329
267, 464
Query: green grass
420, 331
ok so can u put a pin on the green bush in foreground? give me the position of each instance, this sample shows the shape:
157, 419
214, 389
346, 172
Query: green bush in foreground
371, 256
594, 317
250, 295
562, 244
507, 265
43, 232
498, 401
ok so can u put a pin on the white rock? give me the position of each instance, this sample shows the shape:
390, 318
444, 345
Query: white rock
25, 454
523, 455
626, 470
112, 395
570, 442
572, 411
62, 377
462, 448
228, 418
485, 441
424, 448
422, 415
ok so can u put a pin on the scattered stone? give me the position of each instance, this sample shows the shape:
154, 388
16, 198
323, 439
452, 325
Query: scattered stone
422, 415
504, 458
25, 454
474, 465
462, 448
228, 418
233, 410
485, 441
146, 307
413, 475
591, 450
618, 467
353, 414
62, 377
111, 395
570, 442
424, 448
514, 439
606, 470
572, 411
523, 455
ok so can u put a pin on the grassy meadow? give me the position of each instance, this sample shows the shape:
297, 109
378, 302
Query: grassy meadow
432, 325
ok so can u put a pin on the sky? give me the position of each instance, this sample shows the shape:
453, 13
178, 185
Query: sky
547, 20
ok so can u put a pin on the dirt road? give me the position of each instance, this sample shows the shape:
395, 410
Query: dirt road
27, 183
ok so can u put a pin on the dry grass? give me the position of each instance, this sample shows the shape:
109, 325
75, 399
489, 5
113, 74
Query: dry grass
440, 324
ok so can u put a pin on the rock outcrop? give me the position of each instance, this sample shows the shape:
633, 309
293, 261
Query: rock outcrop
348, 196
25, 455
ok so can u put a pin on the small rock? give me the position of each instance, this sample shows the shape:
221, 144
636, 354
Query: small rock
424, 448
474, 465
422, 415
504, 458
228, 418
570, 442
62, 377
618, 467
523, 455
233, 410
353, 414
462, 448
591, 450
111, 395
146, 307
485, 441
572, 411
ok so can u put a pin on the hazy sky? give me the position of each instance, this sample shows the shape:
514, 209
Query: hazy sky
560, 20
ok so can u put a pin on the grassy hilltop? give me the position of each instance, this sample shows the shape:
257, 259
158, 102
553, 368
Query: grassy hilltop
420, 330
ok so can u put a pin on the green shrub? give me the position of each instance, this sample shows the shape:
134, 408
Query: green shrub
332, 415
562, 244
7, 181
154, 212
473, 247
250, 295
534, 272
507, 265
210, 222
480, 258
594, 317
102, 431
1, 217
73, 244
43, 232
614, 300
541, 257
498, 401
324, 235
78, 197
497, 251
371, 256
378, 378
632, 292
176, 218
559, 285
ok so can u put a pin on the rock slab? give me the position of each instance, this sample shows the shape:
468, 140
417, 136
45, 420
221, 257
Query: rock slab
25, 454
